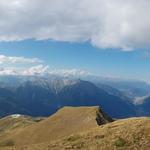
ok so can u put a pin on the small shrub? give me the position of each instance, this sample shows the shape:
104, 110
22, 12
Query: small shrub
78, 145
120, 142
7, 143
99, 136
136, 140
73, 138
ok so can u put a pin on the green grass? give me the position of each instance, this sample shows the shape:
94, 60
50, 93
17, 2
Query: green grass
73, 138
120, 142
7, 143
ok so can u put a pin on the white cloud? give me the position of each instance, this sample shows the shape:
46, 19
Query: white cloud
43, 70
105, 23
13, 60
36, 70
20, 64
8, 71
70, 72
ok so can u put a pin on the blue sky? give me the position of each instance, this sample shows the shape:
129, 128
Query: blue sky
83, 56
104, 37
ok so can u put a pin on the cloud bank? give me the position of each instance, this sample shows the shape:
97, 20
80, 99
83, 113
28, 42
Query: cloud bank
69, 72
42, 70
13, 60
34, 70
121, 24
35, 67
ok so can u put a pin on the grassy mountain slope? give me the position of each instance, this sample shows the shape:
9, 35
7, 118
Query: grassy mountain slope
77, 128
12, 124
127, 134
66, 121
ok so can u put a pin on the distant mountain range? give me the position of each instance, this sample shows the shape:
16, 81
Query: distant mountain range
44, 95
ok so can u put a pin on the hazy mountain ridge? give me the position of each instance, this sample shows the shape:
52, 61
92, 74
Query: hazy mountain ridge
43, 96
